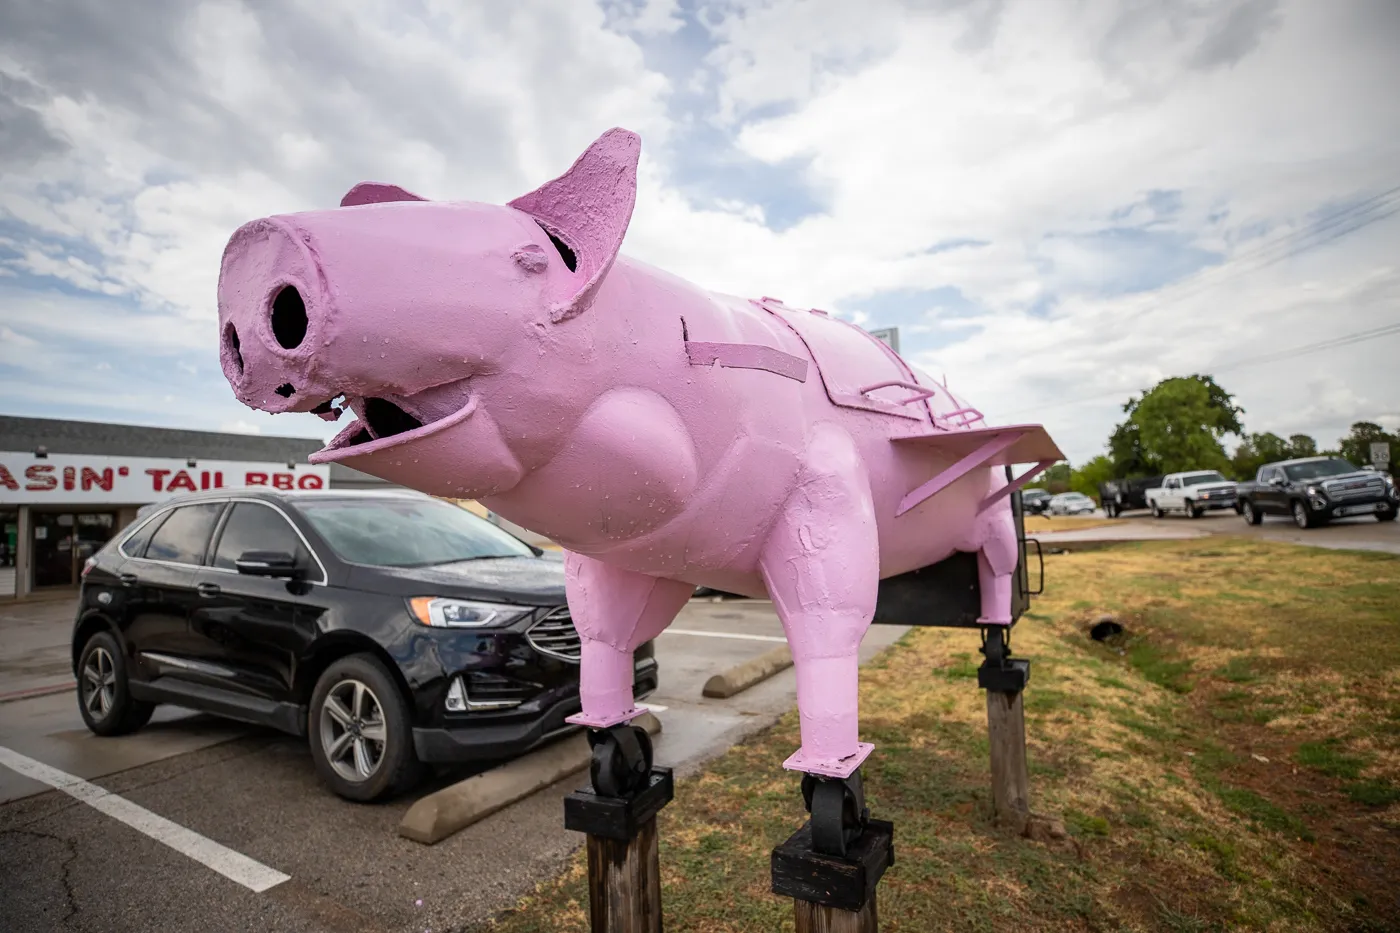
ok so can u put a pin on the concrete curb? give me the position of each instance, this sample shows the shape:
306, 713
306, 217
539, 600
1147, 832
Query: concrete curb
32, 692
440, 814
743, 676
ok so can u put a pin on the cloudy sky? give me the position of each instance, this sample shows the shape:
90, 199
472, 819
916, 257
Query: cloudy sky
1058, 203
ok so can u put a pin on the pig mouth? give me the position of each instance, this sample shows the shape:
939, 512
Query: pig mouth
380, 424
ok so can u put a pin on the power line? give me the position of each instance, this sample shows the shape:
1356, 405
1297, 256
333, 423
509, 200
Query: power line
1277, 356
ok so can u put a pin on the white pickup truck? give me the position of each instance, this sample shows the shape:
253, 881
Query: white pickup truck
1192, 493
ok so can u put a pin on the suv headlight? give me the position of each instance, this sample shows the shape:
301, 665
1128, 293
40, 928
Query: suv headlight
440, 612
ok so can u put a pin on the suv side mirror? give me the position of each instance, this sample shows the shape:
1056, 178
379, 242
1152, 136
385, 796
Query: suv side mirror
1276, 480
267, 564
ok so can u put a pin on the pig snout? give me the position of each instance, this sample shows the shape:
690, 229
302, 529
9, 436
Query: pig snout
273, 313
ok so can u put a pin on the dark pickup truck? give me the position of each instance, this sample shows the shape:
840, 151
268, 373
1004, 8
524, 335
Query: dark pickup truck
1314, 490
1124, 495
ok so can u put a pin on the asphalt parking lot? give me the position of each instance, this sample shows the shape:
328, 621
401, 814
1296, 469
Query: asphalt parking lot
251, 794
1361, 534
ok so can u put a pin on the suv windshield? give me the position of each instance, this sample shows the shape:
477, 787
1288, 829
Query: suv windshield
1316, 468
1195, 479
407, 532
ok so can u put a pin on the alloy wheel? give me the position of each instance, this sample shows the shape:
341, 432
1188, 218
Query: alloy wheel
353, 733
99, 683
1300, 514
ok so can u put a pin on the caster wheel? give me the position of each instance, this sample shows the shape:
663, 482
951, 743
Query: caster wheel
838, 811
621, 763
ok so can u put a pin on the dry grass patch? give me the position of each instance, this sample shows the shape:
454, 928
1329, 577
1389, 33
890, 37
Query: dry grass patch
1229, 762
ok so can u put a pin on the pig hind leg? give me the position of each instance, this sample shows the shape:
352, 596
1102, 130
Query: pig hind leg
615, 611
822, 568
996, 563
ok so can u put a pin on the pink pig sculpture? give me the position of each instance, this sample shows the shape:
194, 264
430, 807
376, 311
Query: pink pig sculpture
665, 436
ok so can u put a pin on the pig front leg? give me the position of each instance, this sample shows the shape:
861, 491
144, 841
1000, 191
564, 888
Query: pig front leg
996, 562
614, 611
821, 564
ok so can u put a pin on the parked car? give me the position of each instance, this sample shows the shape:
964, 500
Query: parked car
1070, 503
1034, 501
1315, 489
1124, 495
390, 629
1193, 493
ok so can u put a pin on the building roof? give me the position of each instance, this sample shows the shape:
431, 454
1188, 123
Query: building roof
96, 438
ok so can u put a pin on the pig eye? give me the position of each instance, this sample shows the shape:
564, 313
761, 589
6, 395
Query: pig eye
289, 318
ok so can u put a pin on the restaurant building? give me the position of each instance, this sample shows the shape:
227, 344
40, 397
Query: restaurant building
67, 487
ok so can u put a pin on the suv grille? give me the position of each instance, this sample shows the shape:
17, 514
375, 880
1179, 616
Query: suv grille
554, 635
493, 691
1354, 488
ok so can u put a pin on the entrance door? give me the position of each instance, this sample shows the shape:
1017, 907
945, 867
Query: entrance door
64, 540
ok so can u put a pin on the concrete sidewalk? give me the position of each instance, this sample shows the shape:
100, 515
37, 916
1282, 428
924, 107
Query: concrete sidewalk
35, 657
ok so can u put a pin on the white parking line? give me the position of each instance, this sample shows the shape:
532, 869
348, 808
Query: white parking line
232, 865
742, 637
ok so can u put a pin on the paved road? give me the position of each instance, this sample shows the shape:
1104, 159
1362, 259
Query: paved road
66, 866
1364, 534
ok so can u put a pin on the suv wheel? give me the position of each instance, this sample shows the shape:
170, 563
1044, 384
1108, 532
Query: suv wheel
360, 731
1191, 509
1250, 515
104, 699
1301, 516
1387, 515
1156, 512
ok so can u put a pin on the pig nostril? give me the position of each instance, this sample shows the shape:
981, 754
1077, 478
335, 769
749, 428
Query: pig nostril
286, 390
233, 357
289, 318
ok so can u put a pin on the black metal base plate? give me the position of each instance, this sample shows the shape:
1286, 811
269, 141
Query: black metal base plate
1010, 677
831, 880
618, 817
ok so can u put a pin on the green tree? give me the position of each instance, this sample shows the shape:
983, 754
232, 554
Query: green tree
1056, 479
1256, 450
1301, 445
1176, 425
1086, 479
1356, 446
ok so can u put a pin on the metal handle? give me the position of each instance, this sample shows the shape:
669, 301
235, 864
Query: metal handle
923, 392
1040, 556
208, 589
127, 579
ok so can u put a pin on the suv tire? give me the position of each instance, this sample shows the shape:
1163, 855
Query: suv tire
1156, 512
360, 731
1250, 513
1388, 515
1192, 511
1302, 515
104, 697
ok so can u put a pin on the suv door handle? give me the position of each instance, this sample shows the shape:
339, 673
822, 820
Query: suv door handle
208, 590
127, 579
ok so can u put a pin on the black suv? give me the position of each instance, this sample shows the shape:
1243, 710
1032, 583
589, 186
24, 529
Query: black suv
392, 629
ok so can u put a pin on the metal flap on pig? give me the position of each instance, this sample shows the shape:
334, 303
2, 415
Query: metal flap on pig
857, 370
373, 192
586, 211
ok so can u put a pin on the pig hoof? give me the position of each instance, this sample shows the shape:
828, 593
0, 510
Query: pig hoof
621, 761
838, 809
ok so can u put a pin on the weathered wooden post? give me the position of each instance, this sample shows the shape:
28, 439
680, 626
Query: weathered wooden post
1004, 678
624, 871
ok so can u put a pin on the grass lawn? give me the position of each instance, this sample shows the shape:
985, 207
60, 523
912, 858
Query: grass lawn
1231, 762
1040, 523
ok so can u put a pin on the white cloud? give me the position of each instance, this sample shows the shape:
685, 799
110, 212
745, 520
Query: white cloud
1024, 125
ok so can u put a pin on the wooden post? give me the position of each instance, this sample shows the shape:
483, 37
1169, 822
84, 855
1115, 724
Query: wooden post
624, 882
834, 894
1006, 731
817, 918
624, 868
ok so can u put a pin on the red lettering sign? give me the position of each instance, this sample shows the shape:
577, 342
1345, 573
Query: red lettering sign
181, 480
41, 478
101, 480
70, 476
158, 478
255, 479
7, 480
309, 481
282, 480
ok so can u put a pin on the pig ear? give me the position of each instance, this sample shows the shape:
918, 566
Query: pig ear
372, 192
586, 211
